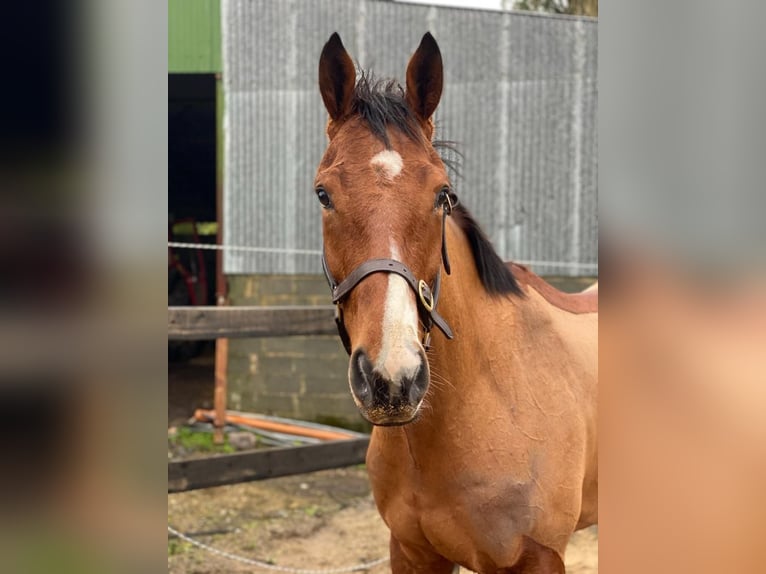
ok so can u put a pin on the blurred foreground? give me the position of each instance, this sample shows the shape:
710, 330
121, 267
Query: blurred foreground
683, 434
82, 305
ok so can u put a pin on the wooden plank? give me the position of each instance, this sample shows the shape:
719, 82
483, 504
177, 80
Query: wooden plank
238, 322
218, 470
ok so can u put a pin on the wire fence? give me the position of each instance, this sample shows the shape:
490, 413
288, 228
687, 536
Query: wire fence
317, 252
273, 567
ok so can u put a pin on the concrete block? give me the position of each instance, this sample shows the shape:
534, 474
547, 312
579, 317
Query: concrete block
341, 406
311, 285
270, 285
279, 405
277, 383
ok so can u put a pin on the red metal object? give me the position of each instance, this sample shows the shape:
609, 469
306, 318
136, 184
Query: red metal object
194, 277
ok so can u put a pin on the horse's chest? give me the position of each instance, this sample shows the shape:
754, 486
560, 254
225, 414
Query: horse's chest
461, 522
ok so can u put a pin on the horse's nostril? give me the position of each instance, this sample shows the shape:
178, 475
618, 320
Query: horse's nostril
418, 384
361, 377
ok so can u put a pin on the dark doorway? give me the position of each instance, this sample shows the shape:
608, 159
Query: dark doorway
192, 216
191, 146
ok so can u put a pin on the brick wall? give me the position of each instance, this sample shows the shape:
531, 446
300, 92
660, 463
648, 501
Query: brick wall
299, 377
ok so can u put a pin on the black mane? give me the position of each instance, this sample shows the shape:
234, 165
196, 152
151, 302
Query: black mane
493, 272
381, 104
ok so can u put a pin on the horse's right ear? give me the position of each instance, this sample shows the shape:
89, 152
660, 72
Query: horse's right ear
337, 77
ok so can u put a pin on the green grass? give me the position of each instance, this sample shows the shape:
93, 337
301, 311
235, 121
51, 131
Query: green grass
199, 441
176, 547
312, 511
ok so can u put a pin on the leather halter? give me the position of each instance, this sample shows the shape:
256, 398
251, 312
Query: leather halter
426, 297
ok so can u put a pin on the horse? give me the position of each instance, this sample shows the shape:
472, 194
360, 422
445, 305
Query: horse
483, 452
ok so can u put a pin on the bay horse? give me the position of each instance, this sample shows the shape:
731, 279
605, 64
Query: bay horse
484, 450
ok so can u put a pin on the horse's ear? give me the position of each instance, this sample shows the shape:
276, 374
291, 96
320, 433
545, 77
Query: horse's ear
425, 77
337, 77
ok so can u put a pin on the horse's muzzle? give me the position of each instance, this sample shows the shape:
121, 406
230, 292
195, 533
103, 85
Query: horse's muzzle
383, 401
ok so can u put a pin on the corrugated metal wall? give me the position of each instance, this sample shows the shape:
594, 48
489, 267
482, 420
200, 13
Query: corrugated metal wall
520, 99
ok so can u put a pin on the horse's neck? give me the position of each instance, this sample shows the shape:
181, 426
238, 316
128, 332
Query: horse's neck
504, 346
502, 338
484, 319
489, 329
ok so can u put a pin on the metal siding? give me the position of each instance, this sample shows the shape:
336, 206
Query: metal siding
520, 99
194, 36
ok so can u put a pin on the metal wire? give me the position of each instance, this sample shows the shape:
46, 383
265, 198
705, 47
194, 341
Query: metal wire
215, 247
273, 567
285, 250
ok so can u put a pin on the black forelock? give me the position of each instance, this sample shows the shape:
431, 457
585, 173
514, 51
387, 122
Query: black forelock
381, 103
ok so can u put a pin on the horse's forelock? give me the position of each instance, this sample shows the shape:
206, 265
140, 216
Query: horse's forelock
381, 104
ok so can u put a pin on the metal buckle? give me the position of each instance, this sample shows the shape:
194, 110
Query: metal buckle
426, 297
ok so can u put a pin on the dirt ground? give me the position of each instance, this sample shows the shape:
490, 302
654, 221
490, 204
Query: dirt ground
324, 519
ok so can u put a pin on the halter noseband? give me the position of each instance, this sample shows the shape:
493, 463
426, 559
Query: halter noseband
425, 296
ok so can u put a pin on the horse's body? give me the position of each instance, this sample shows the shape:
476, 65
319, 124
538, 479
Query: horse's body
506, 446
494, 464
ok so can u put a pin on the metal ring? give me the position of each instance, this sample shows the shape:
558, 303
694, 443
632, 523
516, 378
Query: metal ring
428, 301
449, 202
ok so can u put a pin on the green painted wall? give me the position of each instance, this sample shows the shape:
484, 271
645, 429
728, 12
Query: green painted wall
194, 36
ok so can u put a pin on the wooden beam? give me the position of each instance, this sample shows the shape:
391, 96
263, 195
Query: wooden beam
238, 322
218, 470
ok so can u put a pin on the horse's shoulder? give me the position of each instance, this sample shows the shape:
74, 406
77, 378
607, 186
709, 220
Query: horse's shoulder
584, 302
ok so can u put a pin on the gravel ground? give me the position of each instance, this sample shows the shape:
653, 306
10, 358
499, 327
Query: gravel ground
324, 519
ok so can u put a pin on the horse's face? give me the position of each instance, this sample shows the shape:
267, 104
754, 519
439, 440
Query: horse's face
382, 206
379, 202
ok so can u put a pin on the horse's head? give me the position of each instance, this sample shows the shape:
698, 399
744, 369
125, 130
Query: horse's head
383, 189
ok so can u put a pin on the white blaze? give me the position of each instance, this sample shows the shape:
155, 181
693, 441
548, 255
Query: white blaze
388, 162
399, 355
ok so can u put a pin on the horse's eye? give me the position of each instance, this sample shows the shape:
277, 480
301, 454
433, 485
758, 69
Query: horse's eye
324, 197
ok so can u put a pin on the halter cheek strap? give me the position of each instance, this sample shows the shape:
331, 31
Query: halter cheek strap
426, 297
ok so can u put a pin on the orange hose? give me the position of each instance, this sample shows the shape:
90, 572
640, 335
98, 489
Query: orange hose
208, 415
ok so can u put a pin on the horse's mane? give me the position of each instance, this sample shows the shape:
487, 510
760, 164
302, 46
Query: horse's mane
381, 104
496, 277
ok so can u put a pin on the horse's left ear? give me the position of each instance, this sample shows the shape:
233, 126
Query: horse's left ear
425, 77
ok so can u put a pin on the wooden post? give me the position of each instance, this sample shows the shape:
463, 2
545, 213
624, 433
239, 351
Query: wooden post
219, 398
221, 345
